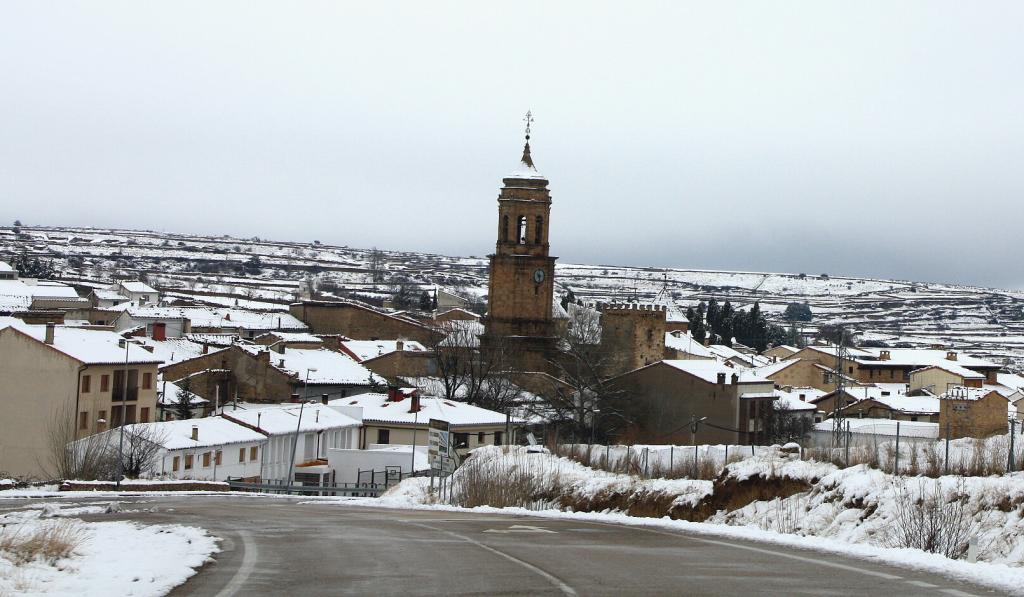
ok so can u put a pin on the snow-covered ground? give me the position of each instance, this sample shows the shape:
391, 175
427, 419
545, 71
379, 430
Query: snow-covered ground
102, 558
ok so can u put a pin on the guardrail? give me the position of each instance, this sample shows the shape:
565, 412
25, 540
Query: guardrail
327, 489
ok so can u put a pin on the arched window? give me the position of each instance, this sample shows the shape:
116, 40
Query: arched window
538, 233
504, 229
522, 230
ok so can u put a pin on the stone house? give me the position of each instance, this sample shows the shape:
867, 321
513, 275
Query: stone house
84, 381
780, 352
875, 402
632, 335
972, 412
663, 398
257, 374
935, 379
359, 322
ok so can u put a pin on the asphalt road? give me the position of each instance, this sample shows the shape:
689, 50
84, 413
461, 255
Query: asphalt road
275, 546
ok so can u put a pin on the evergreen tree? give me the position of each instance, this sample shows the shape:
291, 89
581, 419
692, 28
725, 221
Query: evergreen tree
727, 328
713, 317
697, 328
425, 302
183, 406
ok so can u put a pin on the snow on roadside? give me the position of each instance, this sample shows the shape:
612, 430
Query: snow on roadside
113, 558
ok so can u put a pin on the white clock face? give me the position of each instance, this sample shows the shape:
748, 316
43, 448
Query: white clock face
538, 276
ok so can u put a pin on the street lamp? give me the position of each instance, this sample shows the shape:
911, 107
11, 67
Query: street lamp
305, 384
124, 416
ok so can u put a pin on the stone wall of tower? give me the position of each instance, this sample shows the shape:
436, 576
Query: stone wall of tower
632, 336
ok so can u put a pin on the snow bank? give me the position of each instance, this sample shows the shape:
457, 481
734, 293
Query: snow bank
153, 559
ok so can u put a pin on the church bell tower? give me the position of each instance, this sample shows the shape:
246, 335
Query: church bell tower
521, 286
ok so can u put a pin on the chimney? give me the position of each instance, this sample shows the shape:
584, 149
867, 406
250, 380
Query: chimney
394, 394
227, 317
399, 346
50, 328
803, 397
264, 355
415, 407
721, 379
195, 433
951, 355
206, 348
323, 399
885, 355
280, 363
160, 331
295, 398
735, 378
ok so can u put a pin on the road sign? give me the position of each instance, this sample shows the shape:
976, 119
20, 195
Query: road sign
439, 446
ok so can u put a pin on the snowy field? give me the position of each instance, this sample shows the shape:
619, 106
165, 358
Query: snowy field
46, 550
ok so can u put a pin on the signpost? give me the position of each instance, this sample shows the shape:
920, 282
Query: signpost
439, 449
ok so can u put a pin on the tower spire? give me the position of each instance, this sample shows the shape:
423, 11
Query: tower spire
527, 159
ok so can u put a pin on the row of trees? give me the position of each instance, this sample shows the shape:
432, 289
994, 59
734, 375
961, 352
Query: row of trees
33, 267
722, 323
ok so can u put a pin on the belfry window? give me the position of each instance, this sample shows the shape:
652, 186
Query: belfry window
538, 231
504, 229
522, 230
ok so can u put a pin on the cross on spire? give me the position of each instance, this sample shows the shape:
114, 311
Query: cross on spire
528, 119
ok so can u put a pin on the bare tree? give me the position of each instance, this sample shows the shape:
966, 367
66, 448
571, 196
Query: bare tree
67, 458
594, 406
781, 426
376, 265
141, 450
473, 375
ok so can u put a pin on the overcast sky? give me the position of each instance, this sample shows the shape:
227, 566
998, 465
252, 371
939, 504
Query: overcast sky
871, 138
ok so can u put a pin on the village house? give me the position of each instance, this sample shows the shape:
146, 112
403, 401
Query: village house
72, 380
257, 374
680, 345
358, 321
180, 321
102, 298
880, 402
664, 398
454, 314
780, 352
972, 412
275, 340
402, 416
392, 358
298, 437
207, 449
138, 293
801, 373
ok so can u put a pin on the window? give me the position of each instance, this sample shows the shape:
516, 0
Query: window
521, 234
144, 414
461, 440
206, 460
254, 452
86, 384
538, 232
104, 383
218, 458
498, 437
174, 464
480, 437
383, 436
504, 229
147, 381
132, 386
83, 420
241, 455
188, 462
851, 370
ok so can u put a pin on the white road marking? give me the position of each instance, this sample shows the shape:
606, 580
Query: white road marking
956, 592
921, 583
250, 553
521, 528
557, 582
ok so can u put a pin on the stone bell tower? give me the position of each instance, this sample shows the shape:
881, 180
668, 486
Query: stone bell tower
521, 288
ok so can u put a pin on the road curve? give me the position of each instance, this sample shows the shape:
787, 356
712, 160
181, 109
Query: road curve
277, 546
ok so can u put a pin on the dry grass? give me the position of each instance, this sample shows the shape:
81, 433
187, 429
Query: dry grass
50, 542
932, 519
526, 482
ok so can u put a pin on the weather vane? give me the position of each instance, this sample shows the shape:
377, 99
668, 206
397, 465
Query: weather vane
528, 120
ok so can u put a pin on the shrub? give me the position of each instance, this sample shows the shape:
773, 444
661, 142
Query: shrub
49, 542
932, 518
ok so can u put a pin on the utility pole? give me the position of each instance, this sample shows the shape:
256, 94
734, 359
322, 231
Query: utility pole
839, 402
124, 417
295, 445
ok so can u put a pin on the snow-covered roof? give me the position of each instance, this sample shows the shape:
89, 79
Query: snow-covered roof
463, 332
953, 368
685, 342
377, 408
790, 399
213, 431
968, 394
294, 337
17, 295
727, 352
1010, 380
222, 317
885, 427
851, 353
772, 369
895, 401
709, 370
368, 349
137, 287
167, 395
525, 170
5, 267
318, 365
92, 347
919, 357
173, 350
109, 295
284, 419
